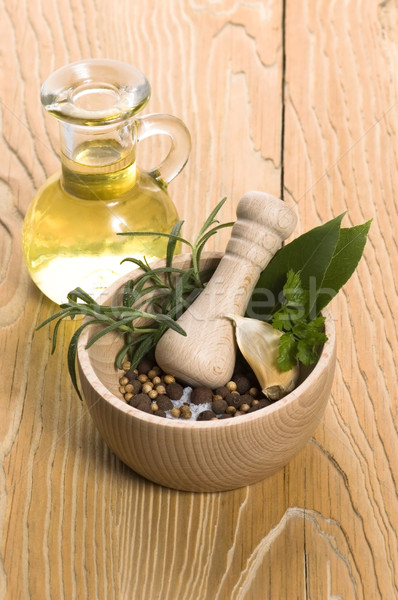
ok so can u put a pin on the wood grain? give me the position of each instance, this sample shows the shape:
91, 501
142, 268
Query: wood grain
305, 96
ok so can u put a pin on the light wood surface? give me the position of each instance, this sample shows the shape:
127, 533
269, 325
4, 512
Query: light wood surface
298, 99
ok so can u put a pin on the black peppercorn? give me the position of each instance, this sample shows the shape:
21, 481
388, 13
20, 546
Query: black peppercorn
246, 399
130, 374
201, 395
219, 406
164, 402
221, 391
206, 415
234, 400
242, 384
145, 366
174, 390
160, 413
139, 399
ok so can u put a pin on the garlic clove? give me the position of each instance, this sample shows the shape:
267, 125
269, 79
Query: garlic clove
259, 343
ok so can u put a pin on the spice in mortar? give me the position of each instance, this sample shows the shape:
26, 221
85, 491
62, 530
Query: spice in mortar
150, 390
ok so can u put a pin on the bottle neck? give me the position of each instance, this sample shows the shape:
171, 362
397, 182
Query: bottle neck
98, 163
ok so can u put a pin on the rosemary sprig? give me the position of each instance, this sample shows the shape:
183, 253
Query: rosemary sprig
151, 303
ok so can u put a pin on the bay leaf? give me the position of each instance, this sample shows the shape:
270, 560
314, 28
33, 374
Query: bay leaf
345, 260
309, 254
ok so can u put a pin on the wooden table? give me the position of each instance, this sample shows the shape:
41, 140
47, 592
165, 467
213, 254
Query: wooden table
297, 98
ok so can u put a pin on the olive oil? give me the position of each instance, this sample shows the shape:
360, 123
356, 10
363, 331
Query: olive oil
70, 234
72, 241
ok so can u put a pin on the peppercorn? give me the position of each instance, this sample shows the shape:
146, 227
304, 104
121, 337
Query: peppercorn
145, 406
147, 387
185, 411
206, 415
201, 395
231, 386
242, 384
145, 365
218, 405
164, 402
246, 399
138, 398
175, 412
155, 380
142, 377
169, 379
154, 407
161, 389
137, 385
174, 390
253, 408
222, 391
258, 406
234, 399
253, 391
153, 394
123, 380
230, 410
126, 365
131, 374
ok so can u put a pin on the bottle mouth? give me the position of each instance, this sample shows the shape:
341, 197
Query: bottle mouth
95, 92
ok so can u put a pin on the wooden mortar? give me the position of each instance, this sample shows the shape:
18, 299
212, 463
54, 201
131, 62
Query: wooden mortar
206, 356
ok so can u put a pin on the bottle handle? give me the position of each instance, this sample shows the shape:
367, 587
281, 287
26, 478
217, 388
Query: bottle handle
180, 139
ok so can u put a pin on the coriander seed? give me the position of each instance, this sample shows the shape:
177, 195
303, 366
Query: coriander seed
147, 387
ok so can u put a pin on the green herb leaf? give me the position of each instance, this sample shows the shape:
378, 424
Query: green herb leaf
310, 254
302, 335
158, 296
345, 260
210, 219
287, 352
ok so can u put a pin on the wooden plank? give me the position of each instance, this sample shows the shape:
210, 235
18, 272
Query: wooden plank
76, 523
340, 156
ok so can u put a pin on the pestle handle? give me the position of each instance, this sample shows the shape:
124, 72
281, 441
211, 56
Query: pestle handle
206, 356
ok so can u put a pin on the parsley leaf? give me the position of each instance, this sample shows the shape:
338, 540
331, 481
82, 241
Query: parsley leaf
301, 335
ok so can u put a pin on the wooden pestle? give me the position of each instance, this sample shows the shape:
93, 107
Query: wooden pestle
206, 356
